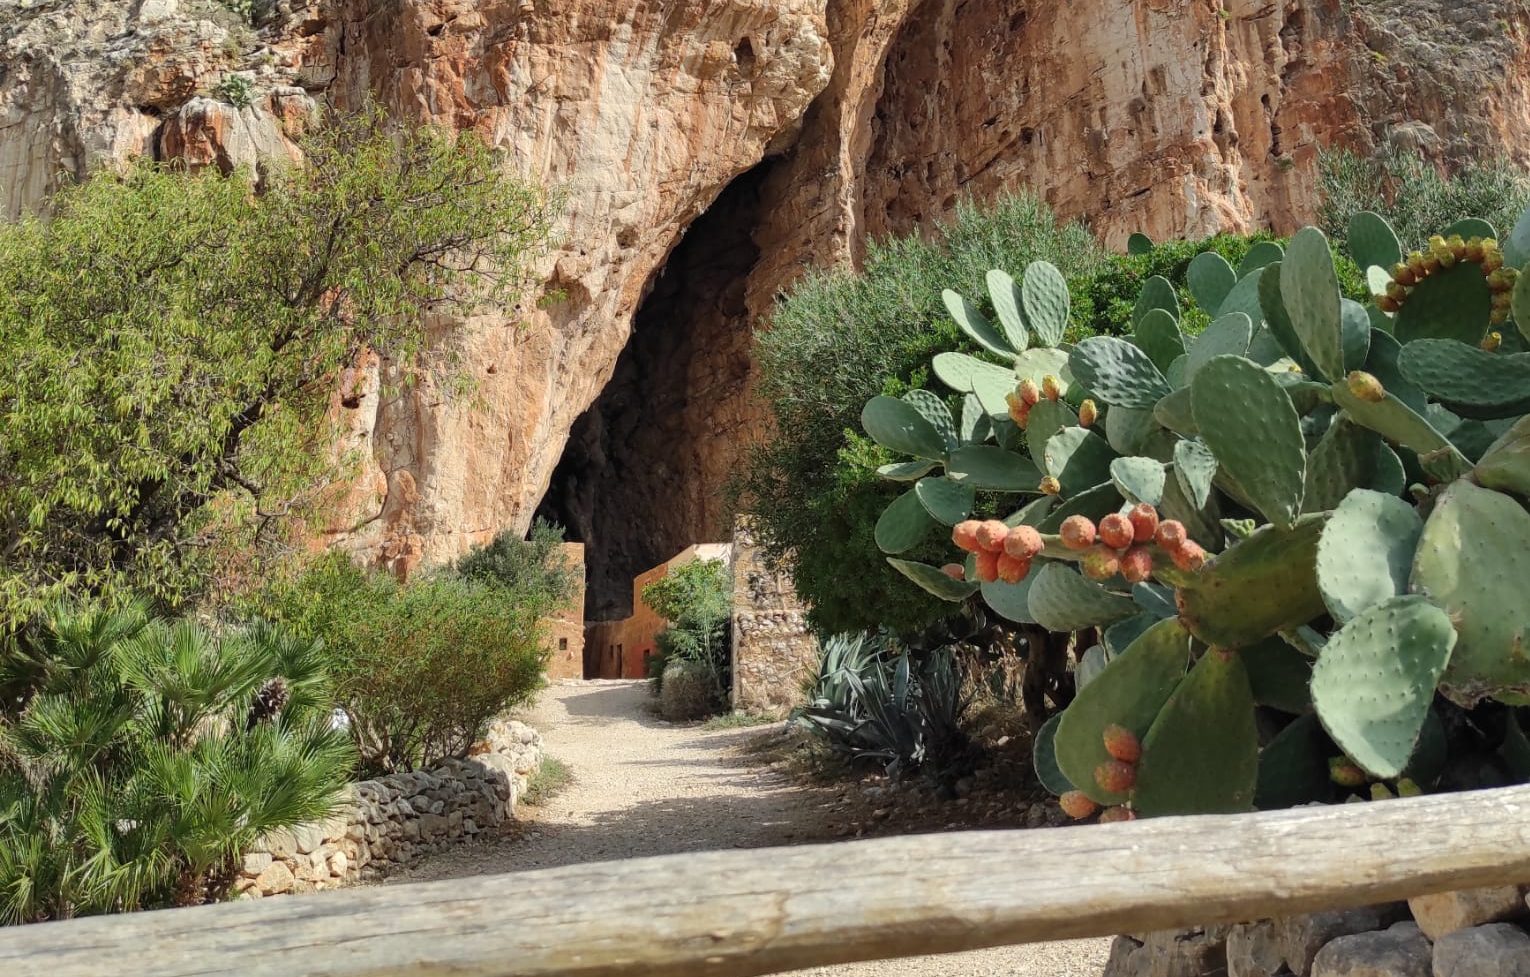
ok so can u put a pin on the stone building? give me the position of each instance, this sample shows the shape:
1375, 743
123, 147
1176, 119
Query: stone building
621, 649
773, 649
565, 628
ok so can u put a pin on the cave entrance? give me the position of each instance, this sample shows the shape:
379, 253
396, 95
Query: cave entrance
645, 468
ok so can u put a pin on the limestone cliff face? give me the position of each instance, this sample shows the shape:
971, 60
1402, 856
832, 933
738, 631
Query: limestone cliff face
711, 150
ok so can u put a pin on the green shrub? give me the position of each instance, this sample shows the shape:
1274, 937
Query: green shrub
171, 344
139, 759
689, 691
696, 601
420, 668
236, 90
1416, 197
533, 569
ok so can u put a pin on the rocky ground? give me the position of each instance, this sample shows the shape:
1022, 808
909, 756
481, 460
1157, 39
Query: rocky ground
642, 786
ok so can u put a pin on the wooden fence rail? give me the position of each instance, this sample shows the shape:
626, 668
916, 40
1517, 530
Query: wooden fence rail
741, 913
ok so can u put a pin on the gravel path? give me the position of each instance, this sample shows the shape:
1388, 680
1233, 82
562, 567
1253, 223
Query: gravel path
645, 787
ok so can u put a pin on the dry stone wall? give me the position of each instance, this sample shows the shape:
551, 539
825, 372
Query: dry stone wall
773, 648
387, 823
1473, 933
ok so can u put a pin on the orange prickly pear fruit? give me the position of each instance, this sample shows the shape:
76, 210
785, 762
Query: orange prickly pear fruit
991, 534
1077, 532
1137, 564
1030, 394
1013, 569
1050, 486
1114, 815
988, 567
1122, 744
1171, 534
1116, 531
965, 535
955, 571
1144, 522
1077, 805
1023, 542
1115, 776
1190, 556
1050, 388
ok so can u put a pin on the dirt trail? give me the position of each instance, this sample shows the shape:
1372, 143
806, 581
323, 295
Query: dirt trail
645, 787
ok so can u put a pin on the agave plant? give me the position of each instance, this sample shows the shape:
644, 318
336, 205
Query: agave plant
1343, 483
139, 758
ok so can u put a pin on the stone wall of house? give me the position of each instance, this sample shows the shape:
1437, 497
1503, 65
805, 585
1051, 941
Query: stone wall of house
773, 648
1474, 933
387, 823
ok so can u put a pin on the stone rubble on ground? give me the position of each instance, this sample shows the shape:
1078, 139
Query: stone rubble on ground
1455, 934
387, 823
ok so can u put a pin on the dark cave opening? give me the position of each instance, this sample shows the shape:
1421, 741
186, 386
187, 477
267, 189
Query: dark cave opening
645, 468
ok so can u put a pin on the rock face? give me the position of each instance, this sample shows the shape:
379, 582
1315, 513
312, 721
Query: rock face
816, 124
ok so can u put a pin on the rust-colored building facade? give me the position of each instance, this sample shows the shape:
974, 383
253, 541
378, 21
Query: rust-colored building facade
622, 649
565, 629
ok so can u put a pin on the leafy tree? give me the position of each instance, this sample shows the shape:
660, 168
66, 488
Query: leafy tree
139, 758
696, 601
532, 569
171, 342
420, 668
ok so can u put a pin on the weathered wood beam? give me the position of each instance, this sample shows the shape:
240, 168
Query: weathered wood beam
741, 913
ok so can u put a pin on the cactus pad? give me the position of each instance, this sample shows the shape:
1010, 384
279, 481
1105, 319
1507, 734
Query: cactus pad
1372, 241
935, 411
1521, 304
1264, 585
1130, 692
898, 426
906, 471
1310, 288
903, 525
975, 325
1186, 771
1505, 465
1210, 278
1278, 321
1473, 560
1375, 679
1044, 296
1293, 767
1139, 479
1128, 429
1174, 412
934, 580
1345, 459
1047, 418
1356, 335
1118, 373
1006, 305
1158, 335
1062, 600
1044, 756
1366, 552
1468, 379
1195, 467
968, 374
1078, 458
1262, 254
947, 501
1454, 303
1399, 423
1382, 362
975, 427
1156, 293
1248, 422
1011, 601
1228, 335
1279, 675
1094, 504
991, 468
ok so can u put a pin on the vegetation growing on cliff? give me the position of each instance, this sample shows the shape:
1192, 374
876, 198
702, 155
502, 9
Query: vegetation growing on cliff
172, 342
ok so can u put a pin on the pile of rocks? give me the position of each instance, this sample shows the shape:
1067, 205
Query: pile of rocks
1475, 933
386, 823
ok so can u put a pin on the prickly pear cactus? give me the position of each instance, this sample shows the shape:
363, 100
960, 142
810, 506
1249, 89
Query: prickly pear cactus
1302, 534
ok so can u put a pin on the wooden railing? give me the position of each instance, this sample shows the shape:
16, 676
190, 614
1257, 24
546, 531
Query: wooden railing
741, 913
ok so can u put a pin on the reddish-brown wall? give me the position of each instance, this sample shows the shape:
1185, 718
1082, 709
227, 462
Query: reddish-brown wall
565, 629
